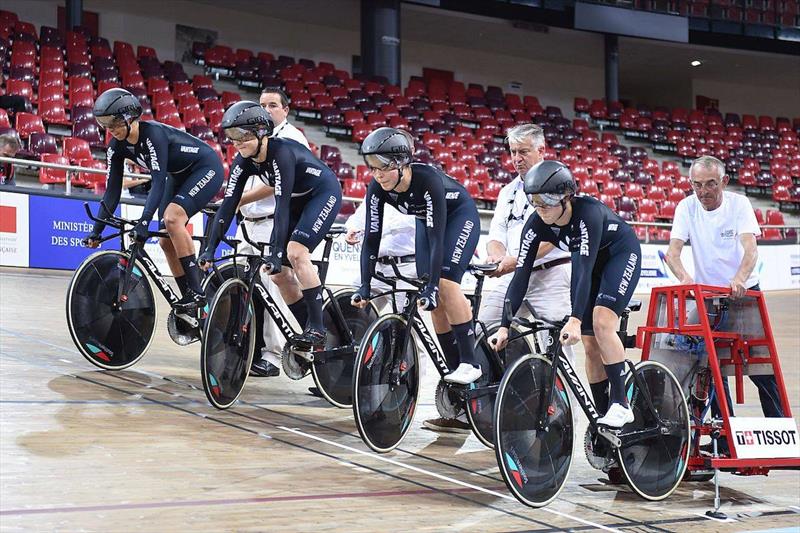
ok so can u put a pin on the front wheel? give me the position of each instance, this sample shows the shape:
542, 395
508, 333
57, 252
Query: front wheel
110, 334
386, 383
654, 462
533, 431
480, 409
228, 343
333, 374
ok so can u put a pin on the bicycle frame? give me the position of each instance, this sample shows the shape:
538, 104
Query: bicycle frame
253, 281
415, 322
556, 355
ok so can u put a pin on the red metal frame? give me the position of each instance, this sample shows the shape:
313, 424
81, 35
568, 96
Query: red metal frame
675, 297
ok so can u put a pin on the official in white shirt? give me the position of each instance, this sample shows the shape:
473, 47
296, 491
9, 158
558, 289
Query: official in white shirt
549, 286
722, 229
257, 208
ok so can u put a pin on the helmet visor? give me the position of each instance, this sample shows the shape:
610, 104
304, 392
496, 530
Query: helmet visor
239, 134
380, 162
111, 121
545, 200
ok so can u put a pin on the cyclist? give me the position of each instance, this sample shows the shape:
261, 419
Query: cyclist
307, 200
185, 173
447, 233
606, 261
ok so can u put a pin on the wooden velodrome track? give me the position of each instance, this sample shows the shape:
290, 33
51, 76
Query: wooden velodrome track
88, 450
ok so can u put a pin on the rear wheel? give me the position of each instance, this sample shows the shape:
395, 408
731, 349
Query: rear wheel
228, 344
386, 383
480, 410
109, 334
534, 460
655, 462
333, 374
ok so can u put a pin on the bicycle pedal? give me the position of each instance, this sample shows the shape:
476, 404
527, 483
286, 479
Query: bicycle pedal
610, 434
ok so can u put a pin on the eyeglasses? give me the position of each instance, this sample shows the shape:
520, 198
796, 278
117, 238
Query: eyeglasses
710, 185
239, 134
543, 201
110, 121
379, 163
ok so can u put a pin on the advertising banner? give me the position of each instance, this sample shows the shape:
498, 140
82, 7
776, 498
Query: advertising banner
14, 229
57, 226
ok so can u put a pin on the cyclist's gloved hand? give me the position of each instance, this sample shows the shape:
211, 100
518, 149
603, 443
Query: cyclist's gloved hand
205, 260
92, 240
429, 297
272, 264
361, 295
139, 231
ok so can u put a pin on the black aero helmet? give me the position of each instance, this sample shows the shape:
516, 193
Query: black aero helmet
548, 182
387, 147
246, 120
115, 107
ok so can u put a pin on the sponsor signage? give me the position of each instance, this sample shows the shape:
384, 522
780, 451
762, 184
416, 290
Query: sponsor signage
765, 438
57, 227
14, 229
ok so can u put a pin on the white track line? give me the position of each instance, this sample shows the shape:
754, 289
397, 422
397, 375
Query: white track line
439, 476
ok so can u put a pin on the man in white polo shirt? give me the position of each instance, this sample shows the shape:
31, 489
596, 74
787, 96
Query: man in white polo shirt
257, 208
722, 229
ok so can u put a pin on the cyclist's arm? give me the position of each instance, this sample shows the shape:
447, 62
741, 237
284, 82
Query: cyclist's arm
435, 224
584, 258
284, 185
157, 144
116, 166
237, 178
528, 247
373, 228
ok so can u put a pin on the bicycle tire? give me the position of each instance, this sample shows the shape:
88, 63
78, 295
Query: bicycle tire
224, 360
534, 463
211, 282
109, 338
654, 466
334, 376
383, 411
480, 410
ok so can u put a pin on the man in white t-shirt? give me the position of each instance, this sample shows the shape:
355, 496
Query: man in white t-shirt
257, 208
722, 229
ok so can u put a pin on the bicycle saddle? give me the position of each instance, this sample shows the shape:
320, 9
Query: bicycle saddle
634, 305
480, 269
334, 231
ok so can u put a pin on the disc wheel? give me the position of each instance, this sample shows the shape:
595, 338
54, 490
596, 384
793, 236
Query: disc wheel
534, 461
655, 462
334, 374
386, 383
107, 334
480, 410
228, 344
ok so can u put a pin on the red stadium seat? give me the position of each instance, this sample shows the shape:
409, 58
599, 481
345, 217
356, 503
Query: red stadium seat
76, 149
27, 123
53, 175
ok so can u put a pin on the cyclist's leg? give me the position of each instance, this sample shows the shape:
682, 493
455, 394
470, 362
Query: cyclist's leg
619, 279
461, 239
193, 194
316, 219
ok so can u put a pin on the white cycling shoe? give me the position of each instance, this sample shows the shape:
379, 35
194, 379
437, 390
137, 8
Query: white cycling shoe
617, 416
464, 374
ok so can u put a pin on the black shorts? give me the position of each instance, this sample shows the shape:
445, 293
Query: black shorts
197, 189
461, 236
614, 279
311, 216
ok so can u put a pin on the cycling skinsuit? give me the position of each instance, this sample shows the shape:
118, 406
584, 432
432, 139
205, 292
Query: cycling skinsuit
448, 225
307, 195
184, 170
606, 259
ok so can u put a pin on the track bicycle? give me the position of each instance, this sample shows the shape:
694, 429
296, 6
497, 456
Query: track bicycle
229, 342
387, 373
534, 431
111, 309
